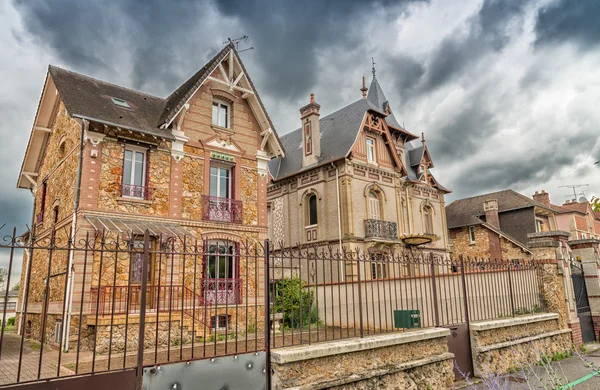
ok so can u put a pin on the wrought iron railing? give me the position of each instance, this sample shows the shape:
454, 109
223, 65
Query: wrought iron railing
221, 209
133, 191
221, 291
375, 228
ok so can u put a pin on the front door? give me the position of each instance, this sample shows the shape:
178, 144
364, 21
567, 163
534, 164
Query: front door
584, 312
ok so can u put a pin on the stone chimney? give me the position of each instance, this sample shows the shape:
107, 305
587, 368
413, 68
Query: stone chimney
364, 89
311, 132
542, 197
491, 212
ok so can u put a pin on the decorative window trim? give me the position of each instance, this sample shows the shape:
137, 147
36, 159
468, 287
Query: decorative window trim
306, 128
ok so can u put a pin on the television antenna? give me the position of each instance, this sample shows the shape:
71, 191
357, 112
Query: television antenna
574, 188
236, 42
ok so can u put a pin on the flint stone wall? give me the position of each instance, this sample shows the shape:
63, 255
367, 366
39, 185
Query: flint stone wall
500, 346
410, 360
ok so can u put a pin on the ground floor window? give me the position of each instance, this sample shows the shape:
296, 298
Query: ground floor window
219, 322
378, 271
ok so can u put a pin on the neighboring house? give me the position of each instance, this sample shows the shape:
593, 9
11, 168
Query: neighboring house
575, 217
355, 178
193, 163
11, 305
496, 225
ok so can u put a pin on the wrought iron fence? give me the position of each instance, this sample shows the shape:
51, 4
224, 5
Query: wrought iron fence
189, 299
322, 293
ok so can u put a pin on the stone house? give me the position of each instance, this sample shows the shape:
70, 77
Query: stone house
576, 217
496, 225
104, 159
355, 179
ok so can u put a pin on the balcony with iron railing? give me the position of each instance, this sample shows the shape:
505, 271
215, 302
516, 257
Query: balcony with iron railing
137, 192
381, 230
221, 209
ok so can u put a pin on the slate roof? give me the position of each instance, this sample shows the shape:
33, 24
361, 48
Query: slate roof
464, 212
90, 98
339, 131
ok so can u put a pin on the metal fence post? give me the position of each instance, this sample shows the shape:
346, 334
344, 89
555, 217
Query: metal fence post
435, 293
267, 250
464, 283
145, 270
510, 288
360, 313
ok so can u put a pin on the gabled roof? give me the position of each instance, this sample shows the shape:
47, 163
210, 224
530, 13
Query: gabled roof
88, 98
461, 212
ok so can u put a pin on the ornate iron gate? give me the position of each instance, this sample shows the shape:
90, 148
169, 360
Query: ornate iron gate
584, 312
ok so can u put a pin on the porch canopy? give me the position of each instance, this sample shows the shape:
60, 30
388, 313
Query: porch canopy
137, 226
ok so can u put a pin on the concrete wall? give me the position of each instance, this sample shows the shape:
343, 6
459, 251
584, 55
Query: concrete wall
501, 346
411, 360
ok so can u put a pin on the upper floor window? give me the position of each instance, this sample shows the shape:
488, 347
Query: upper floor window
374, 208
428, 219
134, 172
220, 181
371, 151
539, 225
471, 234
220, 113
312, 210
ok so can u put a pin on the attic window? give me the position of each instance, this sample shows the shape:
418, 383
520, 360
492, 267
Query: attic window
120, 102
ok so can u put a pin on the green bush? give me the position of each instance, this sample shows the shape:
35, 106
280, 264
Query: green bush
10, 321
295, 302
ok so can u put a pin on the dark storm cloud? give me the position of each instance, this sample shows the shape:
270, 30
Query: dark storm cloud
290, 35
569, 20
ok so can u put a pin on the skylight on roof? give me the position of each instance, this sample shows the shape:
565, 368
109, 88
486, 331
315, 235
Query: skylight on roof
120, 102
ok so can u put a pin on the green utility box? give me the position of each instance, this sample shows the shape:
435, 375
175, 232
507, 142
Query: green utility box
407, 319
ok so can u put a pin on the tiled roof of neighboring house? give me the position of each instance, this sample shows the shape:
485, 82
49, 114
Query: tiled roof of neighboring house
339, 131
461, 212
90, 98
505, 235
13, 293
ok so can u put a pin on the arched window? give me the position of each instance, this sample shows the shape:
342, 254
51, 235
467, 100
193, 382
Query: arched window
312, 210
374, 207
428, 219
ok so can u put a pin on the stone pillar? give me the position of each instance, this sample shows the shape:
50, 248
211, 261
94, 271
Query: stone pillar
552, 251
588, 253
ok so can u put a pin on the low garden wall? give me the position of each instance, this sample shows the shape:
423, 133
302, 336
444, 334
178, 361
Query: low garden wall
412, 359
501, 346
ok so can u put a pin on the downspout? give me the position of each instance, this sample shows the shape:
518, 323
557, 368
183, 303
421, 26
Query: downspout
28, 252
339, 215
71, 269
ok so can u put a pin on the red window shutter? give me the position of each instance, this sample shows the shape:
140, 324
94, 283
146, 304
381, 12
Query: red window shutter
232, 195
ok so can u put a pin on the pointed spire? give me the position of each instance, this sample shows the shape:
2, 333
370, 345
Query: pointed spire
376, 95
364, 88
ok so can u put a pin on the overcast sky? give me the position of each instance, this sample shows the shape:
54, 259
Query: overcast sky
507, 92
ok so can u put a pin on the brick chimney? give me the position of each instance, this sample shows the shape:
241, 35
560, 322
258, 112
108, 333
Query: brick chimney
542, 197
491, 212
311, 132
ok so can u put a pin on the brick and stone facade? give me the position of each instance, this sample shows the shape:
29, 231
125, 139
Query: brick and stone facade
178, 155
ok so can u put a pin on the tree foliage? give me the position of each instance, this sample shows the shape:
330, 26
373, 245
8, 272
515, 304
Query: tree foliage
296, 302
595, 203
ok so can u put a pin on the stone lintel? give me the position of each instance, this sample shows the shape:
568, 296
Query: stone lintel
516, 321
308, 352
524, 340
543, 243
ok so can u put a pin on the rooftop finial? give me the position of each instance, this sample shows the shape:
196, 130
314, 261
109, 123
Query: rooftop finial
373, 64
422, 137
364, 88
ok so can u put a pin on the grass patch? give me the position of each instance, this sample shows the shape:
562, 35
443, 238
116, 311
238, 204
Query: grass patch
35, 345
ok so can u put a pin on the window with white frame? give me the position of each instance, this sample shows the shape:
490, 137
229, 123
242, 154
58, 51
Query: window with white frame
378, 271
220, 181
472, 234
539, 225
374, 206
220, 113
134, 172
428, 219
219, 322
371, 158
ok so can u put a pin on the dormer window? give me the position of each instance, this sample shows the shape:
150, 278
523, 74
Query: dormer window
220, 113
371, 159
120, 102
